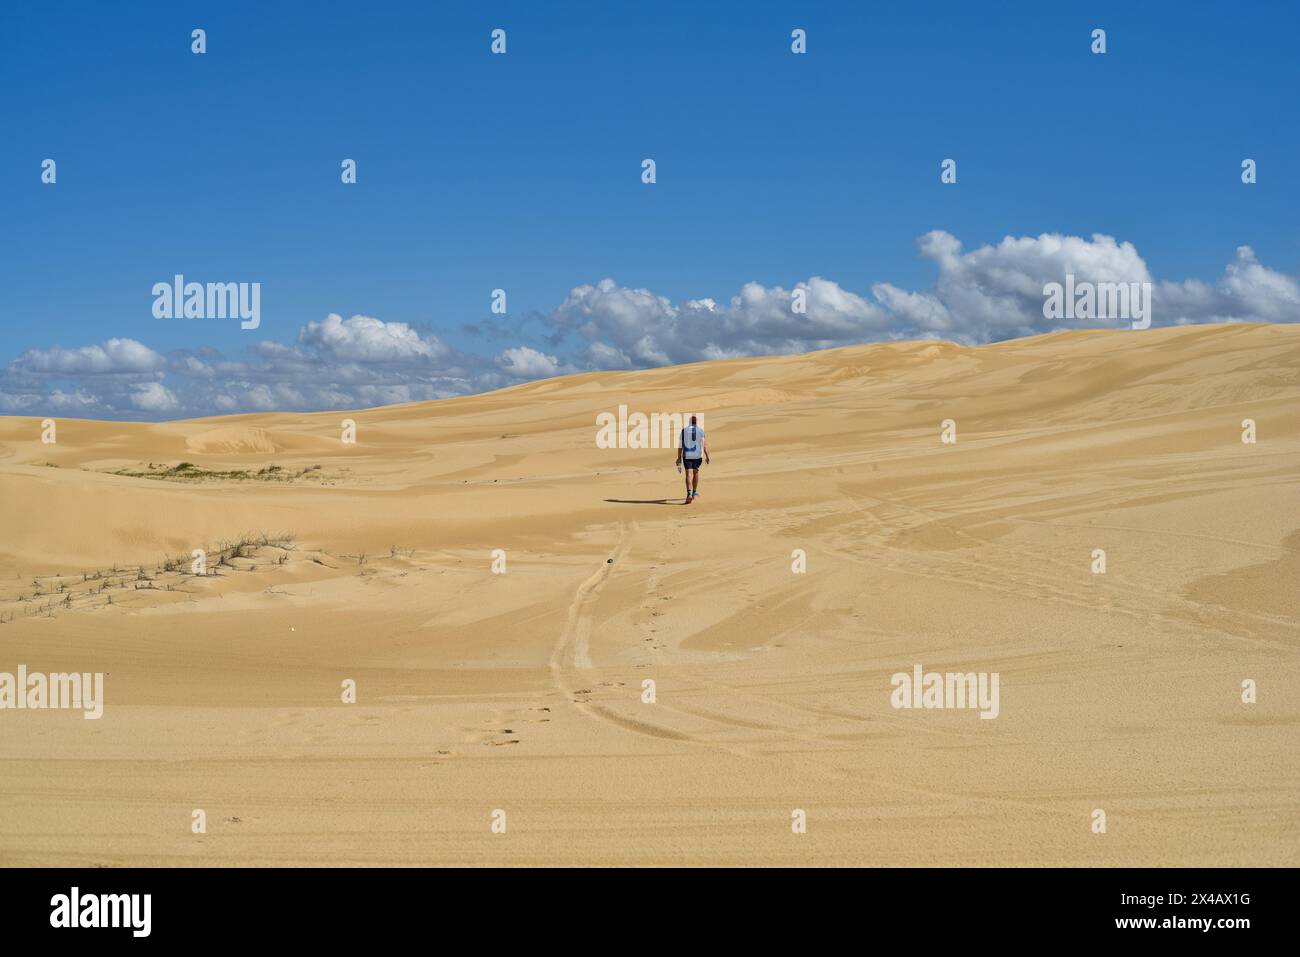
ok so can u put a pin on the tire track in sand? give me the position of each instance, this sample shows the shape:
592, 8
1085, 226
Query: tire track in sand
573, 650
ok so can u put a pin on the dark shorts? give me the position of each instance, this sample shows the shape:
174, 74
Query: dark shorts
691, 463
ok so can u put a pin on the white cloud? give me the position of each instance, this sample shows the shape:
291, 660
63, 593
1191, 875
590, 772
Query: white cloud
153, 397
603, 356
996, 291
364, 339
528, 363
114, 356
991, 293
1248, 291
607, 311
56, 400
922, 310
635, 328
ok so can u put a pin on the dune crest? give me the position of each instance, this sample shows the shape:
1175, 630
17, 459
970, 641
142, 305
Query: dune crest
238, 439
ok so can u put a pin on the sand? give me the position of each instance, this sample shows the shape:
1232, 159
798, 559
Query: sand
523, 692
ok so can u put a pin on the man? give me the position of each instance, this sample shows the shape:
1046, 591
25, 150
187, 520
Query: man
689, 452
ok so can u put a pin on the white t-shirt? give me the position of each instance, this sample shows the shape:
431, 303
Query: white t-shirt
692, 442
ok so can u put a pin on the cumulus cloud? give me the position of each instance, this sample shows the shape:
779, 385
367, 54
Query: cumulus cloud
633, 328
153, 397
919, 310
335, 364
56, 400
996, 291
363, 339
986, 294
1247, 291
528, 363
114, 356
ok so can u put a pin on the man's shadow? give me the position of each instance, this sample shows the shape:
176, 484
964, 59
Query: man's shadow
647, 501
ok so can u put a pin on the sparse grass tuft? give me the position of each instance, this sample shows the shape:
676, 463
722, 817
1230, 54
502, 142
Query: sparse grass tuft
170, 573
189, 472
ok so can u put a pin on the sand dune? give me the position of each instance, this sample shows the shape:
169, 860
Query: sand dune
522, 691
247, 439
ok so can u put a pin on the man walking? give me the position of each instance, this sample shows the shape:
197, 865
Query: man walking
690, 450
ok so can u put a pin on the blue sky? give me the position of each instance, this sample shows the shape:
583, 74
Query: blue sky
523, 172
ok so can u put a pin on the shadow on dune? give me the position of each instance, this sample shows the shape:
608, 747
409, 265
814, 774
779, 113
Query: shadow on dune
647, 501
